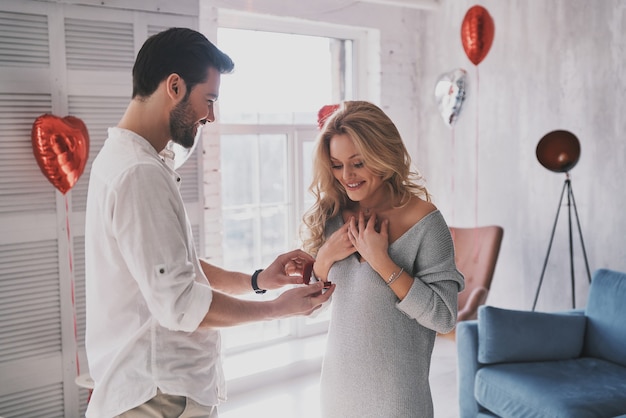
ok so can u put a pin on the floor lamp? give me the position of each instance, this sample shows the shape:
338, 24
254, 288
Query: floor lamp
559, 151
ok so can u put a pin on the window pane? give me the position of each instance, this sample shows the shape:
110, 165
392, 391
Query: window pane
273, 167
238, 166
254, 334
273, 232
254, 185
281, 78
238, 241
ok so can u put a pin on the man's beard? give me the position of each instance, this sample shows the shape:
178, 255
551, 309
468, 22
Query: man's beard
182, 128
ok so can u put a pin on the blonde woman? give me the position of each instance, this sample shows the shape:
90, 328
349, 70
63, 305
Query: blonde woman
376, 235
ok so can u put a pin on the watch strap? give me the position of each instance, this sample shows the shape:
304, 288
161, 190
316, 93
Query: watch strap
255, 285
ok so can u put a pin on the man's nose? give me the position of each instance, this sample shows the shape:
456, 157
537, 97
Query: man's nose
210, 117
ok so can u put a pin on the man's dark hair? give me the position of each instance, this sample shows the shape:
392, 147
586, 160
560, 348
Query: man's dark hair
183, 51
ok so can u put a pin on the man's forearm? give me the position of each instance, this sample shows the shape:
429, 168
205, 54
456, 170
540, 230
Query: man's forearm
228, 311
229, 282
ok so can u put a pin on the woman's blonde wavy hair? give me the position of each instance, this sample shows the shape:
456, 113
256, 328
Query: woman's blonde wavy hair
378, 141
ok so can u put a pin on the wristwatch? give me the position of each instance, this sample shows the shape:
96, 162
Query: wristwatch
255, 286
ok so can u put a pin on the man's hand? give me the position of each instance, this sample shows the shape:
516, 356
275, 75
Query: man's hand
285, 270
228, 311
301, 300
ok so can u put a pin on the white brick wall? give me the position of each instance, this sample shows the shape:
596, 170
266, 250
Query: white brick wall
212, 198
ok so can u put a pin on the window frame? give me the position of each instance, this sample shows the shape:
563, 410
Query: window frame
366, 43
296, 136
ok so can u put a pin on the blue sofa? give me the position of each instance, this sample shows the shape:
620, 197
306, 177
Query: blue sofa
537, 364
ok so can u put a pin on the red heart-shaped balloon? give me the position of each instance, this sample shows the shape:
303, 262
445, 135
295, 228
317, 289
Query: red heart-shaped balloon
477, 32
61, 148
324, 113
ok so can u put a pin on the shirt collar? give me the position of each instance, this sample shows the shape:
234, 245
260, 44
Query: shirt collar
164, 156
128, 135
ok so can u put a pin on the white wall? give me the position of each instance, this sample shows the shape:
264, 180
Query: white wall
555, 64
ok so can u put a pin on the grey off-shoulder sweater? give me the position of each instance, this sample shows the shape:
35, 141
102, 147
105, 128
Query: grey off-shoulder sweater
378, 353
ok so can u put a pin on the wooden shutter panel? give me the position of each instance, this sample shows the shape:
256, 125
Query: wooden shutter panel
30, 278
30, 297
41, 402
85, 72
23, 188
24, 40
99, 45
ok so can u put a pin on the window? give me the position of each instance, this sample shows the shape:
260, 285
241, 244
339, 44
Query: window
282, 78
268, 124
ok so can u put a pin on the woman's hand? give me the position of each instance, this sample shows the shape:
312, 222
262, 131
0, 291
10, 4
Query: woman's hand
336, 248
371, 242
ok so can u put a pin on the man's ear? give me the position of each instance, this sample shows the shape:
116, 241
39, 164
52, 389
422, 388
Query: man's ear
174, 84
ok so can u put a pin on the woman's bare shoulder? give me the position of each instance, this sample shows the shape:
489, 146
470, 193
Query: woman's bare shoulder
406, 217
417, 209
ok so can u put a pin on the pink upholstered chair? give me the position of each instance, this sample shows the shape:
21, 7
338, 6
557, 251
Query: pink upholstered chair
476, 254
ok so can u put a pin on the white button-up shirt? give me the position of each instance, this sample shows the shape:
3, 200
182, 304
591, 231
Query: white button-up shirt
146, 293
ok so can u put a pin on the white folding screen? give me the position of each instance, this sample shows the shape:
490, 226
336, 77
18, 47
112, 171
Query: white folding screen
74, 60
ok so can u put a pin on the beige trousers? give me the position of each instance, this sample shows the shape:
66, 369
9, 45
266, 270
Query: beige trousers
171, 406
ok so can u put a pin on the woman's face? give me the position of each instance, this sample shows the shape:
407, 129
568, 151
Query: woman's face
349, 168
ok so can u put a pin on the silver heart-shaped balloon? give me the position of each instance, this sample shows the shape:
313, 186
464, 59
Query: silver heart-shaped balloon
450, 94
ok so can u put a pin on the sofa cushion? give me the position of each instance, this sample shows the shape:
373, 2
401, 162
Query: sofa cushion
606, 317
511, 336
579, 388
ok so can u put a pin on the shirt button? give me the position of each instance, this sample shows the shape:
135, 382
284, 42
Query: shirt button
177, 178
162, 270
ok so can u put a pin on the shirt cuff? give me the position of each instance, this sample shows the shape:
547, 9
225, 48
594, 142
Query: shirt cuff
201, 298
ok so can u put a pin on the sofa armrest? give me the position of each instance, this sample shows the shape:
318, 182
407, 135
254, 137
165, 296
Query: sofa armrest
468, 365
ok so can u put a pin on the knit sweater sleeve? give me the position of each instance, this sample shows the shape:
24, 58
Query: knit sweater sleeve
432, 299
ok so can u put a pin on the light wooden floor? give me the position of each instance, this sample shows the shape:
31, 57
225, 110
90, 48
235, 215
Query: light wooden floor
299, 397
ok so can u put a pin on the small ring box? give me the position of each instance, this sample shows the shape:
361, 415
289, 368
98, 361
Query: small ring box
306, 275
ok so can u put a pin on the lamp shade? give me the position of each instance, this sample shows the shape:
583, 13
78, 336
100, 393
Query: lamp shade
558, 151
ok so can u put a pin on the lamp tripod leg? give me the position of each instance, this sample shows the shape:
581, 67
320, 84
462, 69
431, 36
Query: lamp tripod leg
580, 234
571, 244
545, 263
